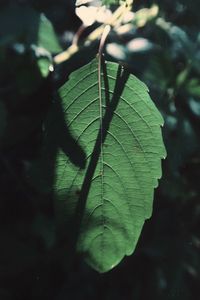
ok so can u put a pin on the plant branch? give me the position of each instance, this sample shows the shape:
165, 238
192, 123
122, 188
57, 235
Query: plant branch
115, 20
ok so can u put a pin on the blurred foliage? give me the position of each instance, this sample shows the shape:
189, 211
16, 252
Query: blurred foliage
164, 51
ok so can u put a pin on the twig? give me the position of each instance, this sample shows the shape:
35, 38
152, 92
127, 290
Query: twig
117, 17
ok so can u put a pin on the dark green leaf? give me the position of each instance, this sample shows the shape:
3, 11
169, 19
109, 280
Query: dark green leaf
193, 87
123, 160
27, 26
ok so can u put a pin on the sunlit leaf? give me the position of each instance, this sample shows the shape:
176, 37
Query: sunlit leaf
117, 51
139, 45
118, 126
91, 14
46, 35
110, 2
145, 15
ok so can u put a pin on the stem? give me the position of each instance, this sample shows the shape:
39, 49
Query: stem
78, 34
103, 38
65, 55
96, 34
101, 46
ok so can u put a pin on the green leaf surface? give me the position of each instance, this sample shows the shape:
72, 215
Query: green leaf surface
46, 35
110, 2
118, 126
193, 87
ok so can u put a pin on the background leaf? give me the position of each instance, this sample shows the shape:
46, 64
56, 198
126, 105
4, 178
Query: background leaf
25, 25
46, 35
110, 2
113, 194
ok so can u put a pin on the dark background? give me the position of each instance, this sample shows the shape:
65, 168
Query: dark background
34, 264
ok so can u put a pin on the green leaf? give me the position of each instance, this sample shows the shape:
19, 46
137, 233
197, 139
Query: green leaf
44, 65
118, 126
193, 87
46, 36
110, 2
27, 26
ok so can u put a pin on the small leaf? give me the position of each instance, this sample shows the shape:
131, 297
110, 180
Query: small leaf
145, 15
193, 87
91, 14
139, 45
44, 66
195, 106
110, 2
46, 36
118, 126
117, 51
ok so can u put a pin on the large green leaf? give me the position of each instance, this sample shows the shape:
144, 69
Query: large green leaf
118, 126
